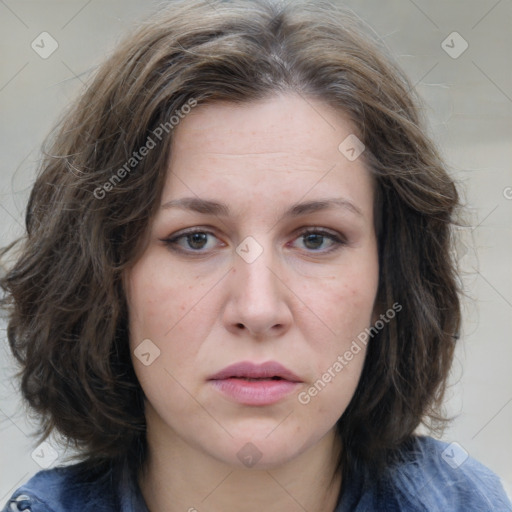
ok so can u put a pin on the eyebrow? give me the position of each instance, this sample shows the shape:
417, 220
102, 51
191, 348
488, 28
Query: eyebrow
209, 207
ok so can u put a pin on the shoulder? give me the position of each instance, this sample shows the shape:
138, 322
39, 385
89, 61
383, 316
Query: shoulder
66, 489
434, 475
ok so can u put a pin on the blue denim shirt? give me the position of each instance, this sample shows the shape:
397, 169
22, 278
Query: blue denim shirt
438, 477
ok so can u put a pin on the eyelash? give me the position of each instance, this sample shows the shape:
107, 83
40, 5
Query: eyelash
172, 242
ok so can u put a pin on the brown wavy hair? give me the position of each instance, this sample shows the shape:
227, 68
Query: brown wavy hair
86, 220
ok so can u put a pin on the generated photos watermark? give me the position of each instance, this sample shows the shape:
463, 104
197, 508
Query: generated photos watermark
454, 455
139, 155
344, 359
147, 352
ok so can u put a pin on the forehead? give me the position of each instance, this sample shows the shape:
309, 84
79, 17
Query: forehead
284, 122
279, 149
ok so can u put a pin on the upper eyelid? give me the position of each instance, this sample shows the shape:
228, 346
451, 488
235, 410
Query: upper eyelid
336, 237
297, 232
190, 231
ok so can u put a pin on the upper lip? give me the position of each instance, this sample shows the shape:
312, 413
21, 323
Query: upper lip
249, 370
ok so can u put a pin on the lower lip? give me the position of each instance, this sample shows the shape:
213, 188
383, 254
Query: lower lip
257, 392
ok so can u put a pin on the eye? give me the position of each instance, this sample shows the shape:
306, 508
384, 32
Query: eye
318, 240
191, 241
200, 241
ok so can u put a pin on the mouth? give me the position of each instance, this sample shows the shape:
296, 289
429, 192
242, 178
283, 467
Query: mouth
250, 379
251, 372
255, 385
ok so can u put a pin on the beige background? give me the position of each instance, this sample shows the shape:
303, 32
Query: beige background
469, 102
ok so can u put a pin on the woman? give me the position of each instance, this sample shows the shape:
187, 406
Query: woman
236, 291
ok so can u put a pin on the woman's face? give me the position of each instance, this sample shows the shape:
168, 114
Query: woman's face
263, 255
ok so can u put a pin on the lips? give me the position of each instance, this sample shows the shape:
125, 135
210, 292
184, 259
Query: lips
271, 370
252, 384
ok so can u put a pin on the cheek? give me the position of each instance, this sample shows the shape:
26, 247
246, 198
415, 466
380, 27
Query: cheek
173, 310
157, 312
343, 304
326, 398
158, 298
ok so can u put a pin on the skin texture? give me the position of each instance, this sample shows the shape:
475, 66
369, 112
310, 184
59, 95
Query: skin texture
301, 302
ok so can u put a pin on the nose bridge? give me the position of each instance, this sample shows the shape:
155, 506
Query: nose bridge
258, 298
255, 281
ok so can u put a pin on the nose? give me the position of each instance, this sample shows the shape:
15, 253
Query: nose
259, 301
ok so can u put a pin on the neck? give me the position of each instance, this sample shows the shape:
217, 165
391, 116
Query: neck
177, 477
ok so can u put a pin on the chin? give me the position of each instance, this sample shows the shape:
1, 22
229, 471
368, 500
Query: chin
264, 451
